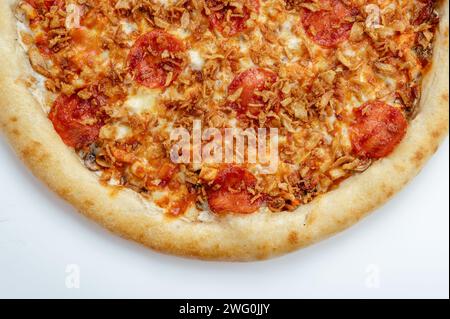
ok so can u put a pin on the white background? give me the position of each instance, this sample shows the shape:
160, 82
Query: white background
402, 250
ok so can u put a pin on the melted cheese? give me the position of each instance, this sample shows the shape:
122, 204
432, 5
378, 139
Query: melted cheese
246, 63
288, 36
144, 101
196, 59
117, 131
128, 27
180, 33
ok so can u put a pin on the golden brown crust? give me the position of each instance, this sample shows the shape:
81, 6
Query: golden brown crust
257, 236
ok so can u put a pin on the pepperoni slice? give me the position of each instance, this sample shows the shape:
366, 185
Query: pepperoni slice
148, 60
78, 122
251, 82
44, 4
378, 128
227, 19
330, 26
229, 192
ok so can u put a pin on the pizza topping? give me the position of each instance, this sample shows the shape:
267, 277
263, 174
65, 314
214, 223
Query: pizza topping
330, 24
378, 128
230, 17
156, 59
38, 62
43, 44
77, 121
245, 92
297, 66
166, 172
233, 192
426, 13
178, 208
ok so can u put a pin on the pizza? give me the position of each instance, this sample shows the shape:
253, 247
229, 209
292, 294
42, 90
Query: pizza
219, 129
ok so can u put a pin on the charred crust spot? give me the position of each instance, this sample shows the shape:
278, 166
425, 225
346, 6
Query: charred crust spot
262, 256
293, 238
390, 192
13, 119
31, 151
264, 252
444, 97
27, 153
34, 153
63, 192
387, 190
436, 134
418, 157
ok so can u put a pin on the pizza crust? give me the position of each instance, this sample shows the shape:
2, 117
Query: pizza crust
234, 238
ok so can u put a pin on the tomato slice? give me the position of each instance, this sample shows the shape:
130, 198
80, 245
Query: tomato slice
78, 122
330, 26
229, 192
378, 128
146, 59
251, 81
227, 20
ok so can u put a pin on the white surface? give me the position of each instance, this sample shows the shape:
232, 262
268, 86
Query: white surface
400, 251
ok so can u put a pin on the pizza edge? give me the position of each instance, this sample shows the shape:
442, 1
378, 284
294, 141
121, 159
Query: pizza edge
242, 238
